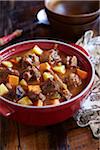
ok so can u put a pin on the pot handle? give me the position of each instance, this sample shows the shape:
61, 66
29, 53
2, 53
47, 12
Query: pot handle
5, 110
81, 49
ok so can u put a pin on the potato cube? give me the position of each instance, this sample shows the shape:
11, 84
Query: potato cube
38, 103
25, 101
3, 89
18, 58
7, 64
47, 75
37, 50
60, 69
23, 83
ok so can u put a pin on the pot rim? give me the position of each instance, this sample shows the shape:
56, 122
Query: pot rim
62, 103
74, 16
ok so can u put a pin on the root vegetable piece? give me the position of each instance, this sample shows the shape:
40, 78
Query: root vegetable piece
18, 58
51, 102
3, 89
15, 60
8, 64
44, 66
13, 80
38, 103
23, 83
60, 69
25, 101
82, 74
8, 85
37, 50
34, 88
47, 75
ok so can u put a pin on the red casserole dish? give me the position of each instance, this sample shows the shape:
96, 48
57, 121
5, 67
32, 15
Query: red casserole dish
46, 115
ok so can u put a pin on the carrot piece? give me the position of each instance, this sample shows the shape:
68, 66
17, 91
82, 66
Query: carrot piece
55, 101
13, 80
38, 103
44, 66
13, 61
34, 88
51, 102
82, 74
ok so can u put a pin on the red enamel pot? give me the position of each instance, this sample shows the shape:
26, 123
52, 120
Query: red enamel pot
46, 115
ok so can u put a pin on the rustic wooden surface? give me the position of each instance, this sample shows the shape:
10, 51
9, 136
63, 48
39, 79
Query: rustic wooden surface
15, 136
63, 136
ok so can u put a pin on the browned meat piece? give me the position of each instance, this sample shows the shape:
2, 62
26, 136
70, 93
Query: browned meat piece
62, 86
42, 97
13, 71
49, 86
69, 60
66, 94
74, 61
54, 57
2, 70
53, 95
51, 56
26, 61
11, 95
35, 73
74, 80
66, 60
32, 73
33, 96
27, 76
35, 59
3, 74
45, 56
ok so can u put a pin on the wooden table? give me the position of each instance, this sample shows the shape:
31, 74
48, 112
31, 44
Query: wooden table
63, 136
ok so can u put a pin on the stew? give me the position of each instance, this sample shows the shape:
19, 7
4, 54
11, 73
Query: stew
41, 77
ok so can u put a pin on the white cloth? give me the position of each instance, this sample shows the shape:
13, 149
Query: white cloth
92, 45
89, 114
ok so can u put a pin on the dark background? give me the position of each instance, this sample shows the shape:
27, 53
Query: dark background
17, 14
22, 15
